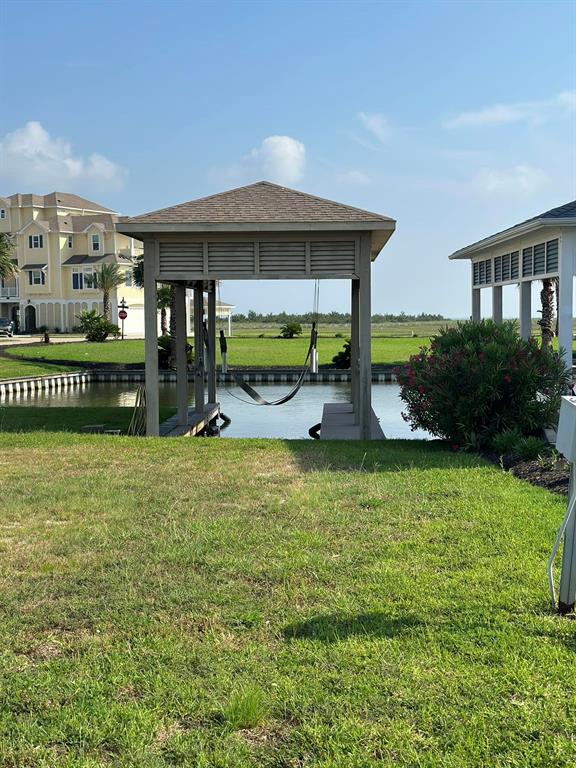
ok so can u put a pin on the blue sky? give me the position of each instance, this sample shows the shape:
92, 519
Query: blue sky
457, 119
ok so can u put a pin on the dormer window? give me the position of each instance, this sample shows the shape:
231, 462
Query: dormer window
95, 242
35, 241
69, 241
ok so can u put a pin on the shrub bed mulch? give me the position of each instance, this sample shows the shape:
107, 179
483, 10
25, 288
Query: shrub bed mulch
545, 473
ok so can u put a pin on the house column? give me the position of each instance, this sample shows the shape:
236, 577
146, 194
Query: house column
476, 305
181, 356
151, 339
567, 267
364, 338
212, 343
525, 309
198, 346
497, 303
354, 348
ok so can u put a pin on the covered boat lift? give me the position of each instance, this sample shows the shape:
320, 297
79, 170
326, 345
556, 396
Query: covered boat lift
262, 231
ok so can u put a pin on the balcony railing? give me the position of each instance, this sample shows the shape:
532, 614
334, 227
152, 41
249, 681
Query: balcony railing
9, 291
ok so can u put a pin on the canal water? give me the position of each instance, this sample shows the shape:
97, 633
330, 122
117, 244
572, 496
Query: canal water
291, 420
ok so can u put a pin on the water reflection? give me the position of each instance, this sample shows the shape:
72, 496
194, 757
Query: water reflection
291, 420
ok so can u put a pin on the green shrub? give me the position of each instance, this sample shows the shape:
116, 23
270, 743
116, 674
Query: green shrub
477, 380
96, 327
529, 448
338, 335
164, 349
506, 442
342, 359
290, 330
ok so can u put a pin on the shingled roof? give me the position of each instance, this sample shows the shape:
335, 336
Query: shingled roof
565, 213
259, 203
57, 200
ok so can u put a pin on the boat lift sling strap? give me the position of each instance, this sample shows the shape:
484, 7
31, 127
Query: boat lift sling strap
258, 399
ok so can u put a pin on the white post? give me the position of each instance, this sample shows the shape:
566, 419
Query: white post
567, 267
198, 347
497, 303
212, 343
229, 323
151, 340
364, 337
476, 305
354, 349
525, 309
181, 357
567, 590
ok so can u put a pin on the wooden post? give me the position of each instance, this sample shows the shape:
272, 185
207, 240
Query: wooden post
525, 309
354, 349
212, 343
181, 356
151, 340
567, 267
364, 337
198, 347
497, 303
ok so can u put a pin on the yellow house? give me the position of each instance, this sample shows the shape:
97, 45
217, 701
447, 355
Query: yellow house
61, 240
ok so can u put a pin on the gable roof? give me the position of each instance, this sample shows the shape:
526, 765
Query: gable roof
259, 203
564, 215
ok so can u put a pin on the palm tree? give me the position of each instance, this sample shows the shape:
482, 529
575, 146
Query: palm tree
108, 278
8, 268
546, 321
164, 300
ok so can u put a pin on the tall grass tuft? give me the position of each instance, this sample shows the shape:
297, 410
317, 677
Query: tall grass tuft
246, 708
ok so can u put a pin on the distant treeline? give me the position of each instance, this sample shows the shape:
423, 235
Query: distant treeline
329, 317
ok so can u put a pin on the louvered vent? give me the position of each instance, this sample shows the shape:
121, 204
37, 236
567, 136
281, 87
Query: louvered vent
488, 270
276, 257
539, 259
476, 269
514, 265
181, 257
231, 258
552, 256
331, 256
527, 269
498, 269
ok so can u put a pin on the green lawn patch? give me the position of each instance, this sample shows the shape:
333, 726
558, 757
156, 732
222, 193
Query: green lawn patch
14, 368
67, 419
246, 351
247, 604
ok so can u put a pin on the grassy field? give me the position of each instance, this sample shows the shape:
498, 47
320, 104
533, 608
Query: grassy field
66, 419
267, 604
245, 351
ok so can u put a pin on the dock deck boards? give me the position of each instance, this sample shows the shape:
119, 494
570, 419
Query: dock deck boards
338, 423
197, 420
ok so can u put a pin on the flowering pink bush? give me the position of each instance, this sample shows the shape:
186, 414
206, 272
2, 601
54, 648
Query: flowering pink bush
479, 379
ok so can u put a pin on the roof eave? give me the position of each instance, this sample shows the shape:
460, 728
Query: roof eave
141, 229
508, 234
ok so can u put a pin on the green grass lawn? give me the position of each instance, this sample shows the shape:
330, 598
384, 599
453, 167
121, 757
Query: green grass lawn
267, 604
14, 368
245, 351
67, 419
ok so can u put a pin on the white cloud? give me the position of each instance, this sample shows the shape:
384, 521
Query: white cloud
279, 158
378, 125
519, 179
523, 111
31, 156
354, 176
